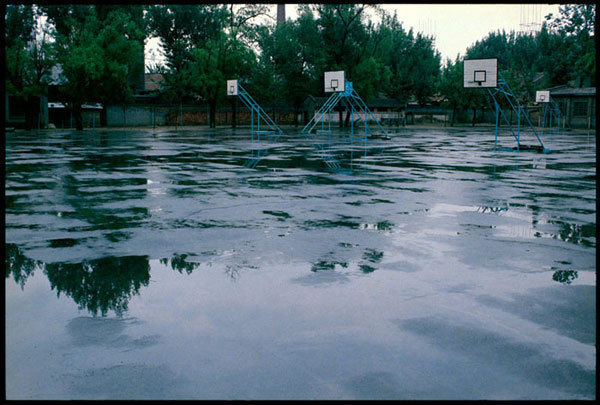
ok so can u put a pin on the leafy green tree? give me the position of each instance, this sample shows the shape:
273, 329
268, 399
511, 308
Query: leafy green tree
293, 53
576, 22
371, 76
574, 19
241, 23
204, 46
413, 61
181, 29
29, 59
552, 61
343, 32
451, 86
100, 52
213, 64
351, 43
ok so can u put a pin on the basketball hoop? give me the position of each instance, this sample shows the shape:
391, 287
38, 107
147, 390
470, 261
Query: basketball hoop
334, 84
232, 87
479, 76
335, 81
480, 73
542, 96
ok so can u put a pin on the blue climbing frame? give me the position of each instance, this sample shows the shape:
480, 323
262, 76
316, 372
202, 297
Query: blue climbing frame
352, 101
503, 89
257, 114
551, 113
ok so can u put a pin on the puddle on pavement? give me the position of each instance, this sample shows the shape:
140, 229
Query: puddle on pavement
193, 253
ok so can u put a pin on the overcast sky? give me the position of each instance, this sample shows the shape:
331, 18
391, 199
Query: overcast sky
454, 26
457, 26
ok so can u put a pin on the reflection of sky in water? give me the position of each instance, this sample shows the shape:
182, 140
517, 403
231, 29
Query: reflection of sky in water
435, 270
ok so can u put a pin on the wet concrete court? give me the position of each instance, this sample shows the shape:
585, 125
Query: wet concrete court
155, 265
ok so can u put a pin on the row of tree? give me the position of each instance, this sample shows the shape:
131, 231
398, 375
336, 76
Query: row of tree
562, 51
100, 51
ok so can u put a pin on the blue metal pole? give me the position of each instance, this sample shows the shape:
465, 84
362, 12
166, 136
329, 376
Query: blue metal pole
518, 128
504, 117
365, 112
329, 104
544, 120
351, 123
497, 117
260, 111
351, 135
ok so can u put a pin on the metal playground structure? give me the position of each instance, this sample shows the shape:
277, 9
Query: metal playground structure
483, 73
344, 93
257, 115
552, 113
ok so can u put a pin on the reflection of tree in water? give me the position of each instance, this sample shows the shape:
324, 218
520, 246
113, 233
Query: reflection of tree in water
564, 276
100, 285
494, 210
576, 233
19, 265
327, 265
177, 262
369, 258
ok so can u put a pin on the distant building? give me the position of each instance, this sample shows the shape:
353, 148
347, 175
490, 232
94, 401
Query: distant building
153, 82
14, 111
578, 105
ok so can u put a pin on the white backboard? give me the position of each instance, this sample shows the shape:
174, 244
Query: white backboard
335, 81
542, 96
232, 87
480, 73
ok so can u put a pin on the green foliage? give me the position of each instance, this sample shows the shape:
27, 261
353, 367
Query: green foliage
99, 48
181, 28
100, 52
371, 75
576, 23
343, 34
19, 24
574, 19
242, 21
29, 58
292, 52
412, 60
563, 50
451, 86
204, 46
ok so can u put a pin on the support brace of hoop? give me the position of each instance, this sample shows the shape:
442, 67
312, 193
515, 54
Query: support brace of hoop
257, 114
551, 113
504, 89
350, 98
